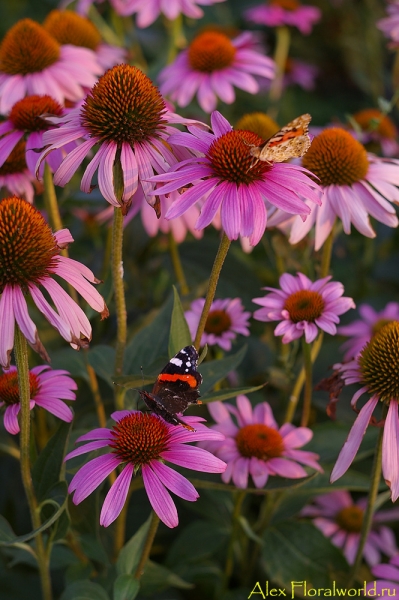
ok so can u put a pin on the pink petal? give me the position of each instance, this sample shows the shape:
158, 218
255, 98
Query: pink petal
116, 497
159, 498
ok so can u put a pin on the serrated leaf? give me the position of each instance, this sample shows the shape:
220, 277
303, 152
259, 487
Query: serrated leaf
180, 335
84, 590
126, 587
227, 393
214, 371
131, 552
47, 469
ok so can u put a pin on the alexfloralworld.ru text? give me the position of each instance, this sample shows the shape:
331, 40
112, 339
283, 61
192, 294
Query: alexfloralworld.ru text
301, 589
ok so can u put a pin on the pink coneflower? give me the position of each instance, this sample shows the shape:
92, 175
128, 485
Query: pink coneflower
126, 116
387, 583
69, 28
298, 72
303, 307
361, 331
390, 25
356, 185
226, 318
25, 122
210, 67
33, 62
377, 129
226, 179
15, 178
48, 389
256, 446
144, 441
29, 257
147, 11
376, 368
340, 518
285, 12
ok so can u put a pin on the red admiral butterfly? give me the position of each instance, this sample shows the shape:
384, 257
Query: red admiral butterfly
176, 387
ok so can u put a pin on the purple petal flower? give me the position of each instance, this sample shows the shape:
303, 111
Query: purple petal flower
276, 14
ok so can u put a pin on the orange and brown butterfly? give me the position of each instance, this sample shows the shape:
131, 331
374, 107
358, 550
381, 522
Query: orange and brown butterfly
292, 141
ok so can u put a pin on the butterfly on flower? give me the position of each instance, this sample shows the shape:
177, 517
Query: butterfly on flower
292, 141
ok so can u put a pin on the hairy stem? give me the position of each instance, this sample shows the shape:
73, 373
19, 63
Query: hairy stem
177, 266
307, 398
148, 545
120, 302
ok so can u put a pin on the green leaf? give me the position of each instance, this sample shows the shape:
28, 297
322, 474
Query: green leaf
214, 371
208, 541
84, 590
72, 361
102, 359
131, 552
47, 469
226, 393
157, 578
126, 587
295, 551
180, 335
133, 381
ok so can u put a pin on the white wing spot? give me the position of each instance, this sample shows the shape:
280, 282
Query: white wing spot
176, 361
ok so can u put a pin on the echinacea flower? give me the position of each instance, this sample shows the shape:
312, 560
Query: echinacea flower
210, 68
25, 123
29, 257
69, 28
376, 368
147, 11
255, 445
226, 318
48, 389
15, 178
340, 518
377, 129
33, 62
390, 25
361, 331
298, 72
285, 12
355, 185
387, 583
227, 179
259, 123
126, 116
144, 442
303, 307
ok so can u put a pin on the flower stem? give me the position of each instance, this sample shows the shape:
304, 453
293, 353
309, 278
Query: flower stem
326, 255
307, 398
177, 266
177, 40
120, 302
229, 566
50, 199
280, 57
21, 357
375, 478
213, 281
148, 545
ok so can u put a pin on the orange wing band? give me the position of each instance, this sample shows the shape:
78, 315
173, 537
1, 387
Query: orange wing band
190, 379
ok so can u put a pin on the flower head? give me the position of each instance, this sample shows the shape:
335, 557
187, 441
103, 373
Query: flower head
226, 318
126, 116
225, 178
48, 389
340, 518
376, 368
33, 62
387, 579
361, 331
355, 185
259, 123
285, 12
303, 307
15, 178
298, 72
210, 67
144, 441
390, 25
256, 446
377, 129
29, 257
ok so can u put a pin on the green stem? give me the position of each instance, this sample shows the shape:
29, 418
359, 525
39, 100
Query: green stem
177, 266
213, 281
375, 478
120, 302
280, 57
229, 566
148, 545
21, 357
177, 40
307, 398
50, 199
326, 255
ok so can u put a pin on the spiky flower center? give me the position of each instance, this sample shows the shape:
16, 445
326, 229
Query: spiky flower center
26, 114
259, 123
305, 305
16, 162
231, 160
286, 4
218, 322
27, 245
371, 119
211, 51
9, 389
139, 438
123, 106
378, 325
68, 27
27, 48
260, 441
350, 519
336, 158
379, 363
